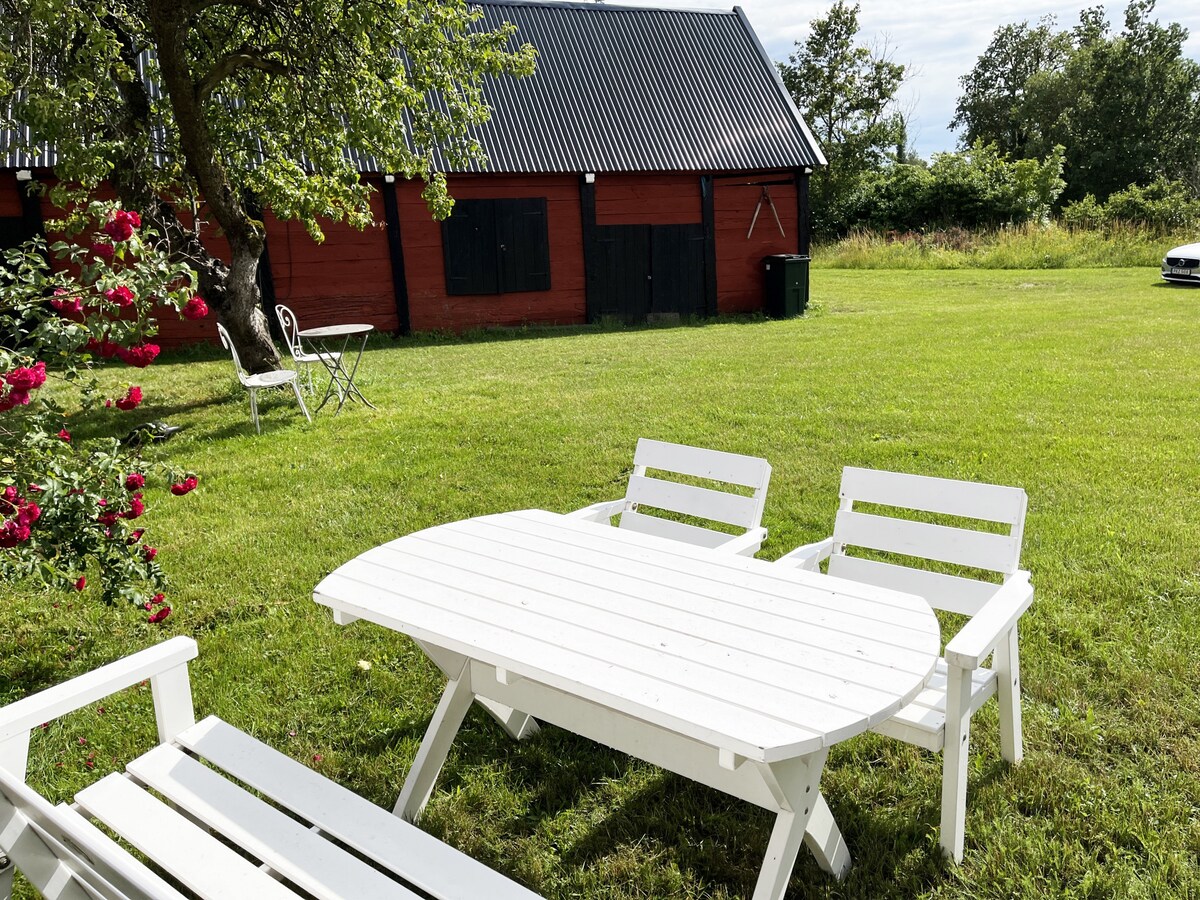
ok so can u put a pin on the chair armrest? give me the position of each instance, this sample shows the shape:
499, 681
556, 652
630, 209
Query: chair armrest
744, 544
979, 637
28, 713
808, 556
599, 512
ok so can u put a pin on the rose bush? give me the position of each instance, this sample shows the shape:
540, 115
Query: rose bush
67, 506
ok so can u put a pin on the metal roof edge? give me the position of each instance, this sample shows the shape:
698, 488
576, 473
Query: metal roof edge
602, 6
774, 70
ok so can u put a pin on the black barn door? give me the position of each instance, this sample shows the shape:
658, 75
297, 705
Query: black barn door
621, 275
677, 269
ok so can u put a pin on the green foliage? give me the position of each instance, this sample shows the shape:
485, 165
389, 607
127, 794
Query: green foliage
281, 89
1161, 206
847, 94
1011, 97
1126, 106
972, 189
73, 506
1031, 246
1078, 386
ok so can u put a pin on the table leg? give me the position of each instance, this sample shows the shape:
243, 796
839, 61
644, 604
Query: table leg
350, 386
519, 725
447, 718
794, 784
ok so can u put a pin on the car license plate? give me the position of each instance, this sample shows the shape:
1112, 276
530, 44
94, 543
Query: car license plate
1175, 271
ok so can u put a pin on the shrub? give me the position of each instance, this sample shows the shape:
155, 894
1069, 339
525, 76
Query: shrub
70, 507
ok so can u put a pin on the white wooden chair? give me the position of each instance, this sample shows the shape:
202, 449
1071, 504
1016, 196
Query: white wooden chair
291, 334
740, 511
295, 846
940, 717
254, 383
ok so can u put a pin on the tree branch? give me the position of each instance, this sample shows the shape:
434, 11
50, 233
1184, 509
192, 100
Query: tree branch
242, 58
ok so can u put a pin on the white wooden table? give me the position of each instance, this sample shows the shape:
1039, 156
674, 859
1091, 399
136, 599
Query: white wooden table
731, 671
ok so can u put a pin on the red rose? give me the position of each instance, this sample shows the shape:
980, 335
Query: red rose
24, 378
65, 435
13, 533
160, 615
184, 487
65, 304
131, 400
140, 356
149, 552
28, 514
195, 308
35, 488
9, 499
81, 583
120, 224
135, 536
134, 480
136, 507
16, 397
122, 296
103, 251
108, 518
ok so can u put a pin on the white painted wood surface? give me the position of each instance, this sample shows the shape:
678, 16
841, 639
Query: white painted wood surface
202, 826
730, 670
710, 504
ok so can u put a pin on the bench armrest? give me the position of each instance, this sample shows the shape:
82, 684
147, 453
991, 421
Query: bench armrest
599, 512
979, 637
808, 556
24, 715
744, 544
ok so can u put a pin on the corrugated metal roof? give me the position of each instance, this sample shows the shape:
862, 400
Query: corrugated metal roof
628, 89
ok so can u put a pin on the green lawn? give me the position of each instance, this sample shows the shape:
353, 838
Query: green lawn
1081, 386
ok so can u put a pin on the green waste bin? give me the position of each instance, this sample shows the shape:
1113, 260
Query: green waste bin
786, 285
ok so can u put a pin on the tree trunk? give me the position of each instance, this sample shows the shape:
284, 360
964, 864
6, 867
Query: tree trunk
231, 290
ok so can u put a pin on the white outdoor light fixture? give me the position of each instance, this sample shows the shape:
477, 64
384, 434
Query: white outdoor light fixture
24, 175
589, 177
389, 179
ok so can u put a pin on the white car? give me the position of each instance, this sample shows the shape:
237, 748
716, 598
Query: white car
1182, 264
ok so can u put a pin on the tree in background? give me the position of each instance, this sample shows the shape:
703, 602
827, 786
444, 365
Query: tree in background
211, 109
1012, 98
847, 95
1126, 106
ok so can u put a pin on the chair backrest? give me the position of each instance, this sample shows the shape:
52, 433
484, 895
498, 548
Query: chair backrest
969, 547
227, 343
46, 842
739, 510
291, 328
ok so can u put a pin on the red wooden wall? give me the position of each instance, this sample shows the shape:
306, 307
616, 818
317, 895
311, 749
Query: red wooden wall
348, 277
739, 260
430, 308
648, 199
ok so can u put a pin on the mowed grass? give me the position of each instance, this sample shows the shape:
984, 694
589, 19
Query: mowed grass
1083, 387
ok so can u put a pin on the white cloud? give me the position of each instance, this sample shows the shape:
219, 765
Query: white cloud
939, 39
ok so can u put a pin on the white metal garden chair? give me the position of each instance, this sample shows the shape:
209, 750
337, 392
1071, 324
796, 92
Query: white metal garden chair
187, 806
300, 357
718, 506
255, 383
940, 717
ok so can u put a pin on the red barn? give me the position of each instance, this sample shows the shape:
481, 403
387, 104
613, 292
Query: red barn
622, 180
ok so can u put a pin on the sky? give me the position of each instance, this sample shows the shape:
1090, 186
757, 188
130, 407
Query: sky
939, 40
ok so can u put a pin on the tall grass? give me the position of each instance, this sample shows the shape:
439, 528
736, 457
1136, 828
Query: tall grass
1031, 246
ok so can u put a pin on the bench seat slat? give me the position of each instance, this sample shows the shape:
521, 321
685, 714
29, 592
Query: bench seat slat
294, 851
189, 853
417, 857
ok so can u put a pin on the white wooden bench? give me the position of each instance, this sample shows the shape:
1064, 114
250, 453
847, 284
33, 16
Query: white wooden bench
314, 838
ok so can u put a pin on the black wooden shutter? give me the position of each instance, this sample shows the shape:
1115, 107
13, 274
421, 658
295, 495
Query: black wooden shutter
524, 244
469, 248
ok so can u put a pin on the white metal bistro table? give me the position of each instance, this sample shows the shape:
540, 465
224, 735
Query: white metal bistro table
340, 381
731, 671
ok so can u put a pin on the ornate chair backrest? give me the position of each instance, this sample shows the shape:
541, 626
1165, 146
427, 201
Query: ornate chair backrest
227, 343
291, 328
